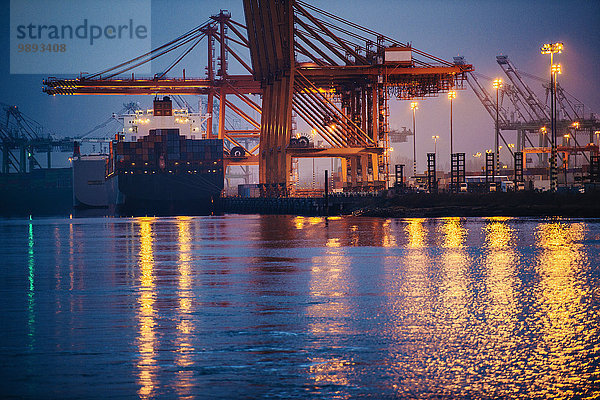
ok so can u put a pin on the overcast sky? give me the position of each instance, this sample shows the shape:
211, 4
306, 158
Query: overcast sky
479, 30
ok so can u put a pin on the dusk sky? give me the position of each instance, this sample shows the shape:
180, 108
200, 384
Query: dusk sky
478, 30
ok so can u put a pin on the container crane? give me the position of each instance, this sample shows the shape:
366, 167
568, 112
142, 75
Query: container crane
529, 116
21, 137
334, 74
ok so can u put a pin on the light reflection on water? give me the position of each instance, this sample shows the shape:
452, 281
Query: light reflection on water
330, 312
31, 291
147, 341
185, 327
562, 310
300, 307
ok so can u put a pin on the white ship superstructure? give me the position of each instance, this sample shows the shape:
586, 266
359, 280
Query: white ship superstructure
192, 125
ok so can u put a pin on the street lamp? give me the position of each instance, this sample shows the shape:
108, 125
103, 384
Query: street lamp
553, 48
435, 138
556, 69
414, 106
566, 154
451, 96
497, 84
597, 136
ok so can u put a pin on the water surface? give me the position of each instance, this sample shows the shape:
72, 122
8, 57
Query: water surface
296, 307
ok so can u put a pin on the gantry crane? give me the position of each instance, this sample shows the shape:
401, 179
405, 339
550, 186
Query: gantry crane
334, 74
218, 84
24, 136
338, 77
528, 116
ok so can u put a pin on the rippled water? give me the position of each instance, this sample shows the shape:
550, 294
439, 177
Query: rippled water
293, 307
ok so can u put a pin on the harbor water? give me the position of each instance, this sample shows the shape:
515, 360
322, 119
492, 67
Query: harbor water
296, 307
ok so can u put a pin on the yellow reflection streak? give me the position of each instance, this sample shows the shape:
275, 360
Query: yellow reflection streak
71, 260
331, 371
184, 327
500, 260
333, 242
416, 233
408, 300
315, 220
501, 305
354, 235
454, 259
388, 237
451, 303
299, 222
329, 311
565, 328
454, 232
147, 340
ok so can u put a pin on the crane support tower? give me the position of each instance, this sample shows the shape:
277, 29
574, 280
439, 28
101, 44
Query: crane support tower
525, 114
333, 74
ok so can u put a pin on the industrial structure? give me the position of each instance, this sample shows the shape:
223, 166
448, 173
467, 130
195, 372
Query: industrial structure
518, 109
308, 64
21, 138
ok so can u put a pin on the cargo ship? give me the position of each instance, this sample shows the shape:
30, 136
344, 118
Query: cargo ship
160, 163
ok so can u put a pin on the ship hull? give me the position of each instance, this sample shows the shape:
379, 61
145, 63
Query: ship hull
169, 193
91, 189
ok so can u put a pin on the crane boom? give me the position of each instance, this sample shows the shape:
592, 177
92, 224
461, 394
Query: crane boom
482, 94
536, 107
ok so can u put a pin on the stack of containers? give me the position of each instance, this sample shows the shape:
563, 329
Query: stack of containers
178, 153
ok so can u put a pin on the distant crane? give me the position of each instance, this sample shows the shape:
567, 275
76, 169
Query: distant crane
528, 116
21, 137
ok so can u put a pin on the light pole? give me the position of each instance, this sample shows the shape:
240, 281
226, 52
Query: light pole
555, 70
497, 85
567, 155
575, 126
511, 146
435, 138
597, 136
414, 106
544, 132
552, 48
451, 96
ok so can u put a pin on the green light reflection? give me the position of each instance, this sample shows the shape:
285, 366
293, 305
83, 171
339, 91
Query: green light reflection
31, 292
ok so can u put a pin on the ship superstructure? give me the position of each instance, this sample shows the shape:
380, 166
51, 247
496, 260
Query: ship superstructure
137, 124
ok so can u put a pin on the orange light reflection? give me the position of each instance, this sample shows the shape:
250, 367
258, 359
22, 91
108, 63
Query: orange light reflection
329, 311
389, 240
563, 309
416, 233
146, 314
408, 300
501, 305
185, 326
